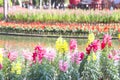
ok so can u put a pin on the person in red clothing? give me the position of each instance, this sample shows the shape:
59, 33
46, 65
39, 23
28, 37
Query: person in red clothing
73, 3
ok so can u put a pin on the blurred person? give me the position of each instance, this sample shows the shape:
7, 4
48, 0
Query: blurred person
112, 5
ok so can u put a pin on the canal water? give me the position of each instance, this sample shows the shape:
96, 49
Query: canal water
22, 42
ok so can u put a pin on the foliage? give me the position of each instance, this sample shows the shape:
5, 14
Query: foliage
108, 68
60, 28
67, 16
1, 16
49, 63
1, 2
100, 65
41, 72
91, 70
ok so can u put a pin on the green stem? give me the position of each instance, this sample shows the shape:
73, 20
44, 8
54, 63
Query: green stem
81, 68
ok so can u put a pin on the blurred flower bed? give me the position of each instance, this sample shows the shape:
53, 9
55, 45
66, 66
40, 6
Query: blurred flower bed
69, 16
63, 62
59, 28
58, 22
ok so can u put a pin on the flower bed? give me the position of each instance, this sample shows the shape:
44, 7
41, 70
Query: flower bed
64, 62
78, 16
58, 28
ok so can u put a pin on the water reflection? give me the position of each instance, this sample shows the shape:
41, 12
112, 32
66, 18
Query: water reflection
20, 43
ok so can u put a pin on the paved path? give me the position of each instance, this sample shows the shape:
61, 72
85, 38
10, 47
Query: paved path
13, 8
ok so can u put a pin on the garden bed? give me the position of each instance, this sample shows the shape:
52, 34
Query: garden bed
60, 22
64, 60
72, 29
64, 16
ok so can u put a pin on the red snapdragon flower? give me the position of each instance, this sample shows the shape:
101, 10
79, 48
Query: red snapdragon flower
88, 49
103, 44
95, 45
38, 54
107, 40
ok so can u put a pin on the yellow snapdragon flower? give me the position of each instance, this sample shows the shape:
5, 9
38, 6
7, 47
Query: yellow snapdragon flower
13, 69
94, 57
89, 58
1, 57
91, 37
118, 36
16, 68
61, 45
1, 50
88, 43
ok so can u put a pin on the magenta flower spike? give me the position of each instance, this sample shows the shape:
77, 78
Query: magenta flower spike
73, 44
50, 54
38, 54
63, 66
27, 55
12, 55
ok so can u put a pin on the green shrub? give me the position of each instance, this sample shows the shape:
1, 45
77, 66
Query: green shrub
67, 16
1, 16
1, 2
10, 3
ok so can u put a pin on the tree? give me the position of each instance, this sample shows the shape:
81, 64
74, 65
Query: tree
41, 3
5, 2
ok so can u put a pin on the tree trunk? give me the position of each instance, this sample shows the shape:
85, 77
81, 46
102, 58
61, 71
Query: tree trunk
5, 10
40, 4
50, 4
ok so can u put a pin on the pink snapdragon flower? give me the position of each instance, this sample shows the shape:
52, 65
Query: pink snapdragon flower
110, 56
63, 65
34, 57
95, 45
27, 55
73, 44
77, 57
88, 49
107, 40
12, 55
50, 54
38, 54
1, 66
115, 55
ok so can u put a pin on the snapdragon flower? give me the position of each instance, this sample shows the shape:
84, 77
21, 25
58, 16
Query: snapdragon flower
73, 44
63, 65
61, 45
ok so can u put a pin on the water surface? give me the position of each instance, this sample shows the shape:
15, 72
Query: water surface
22, 42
